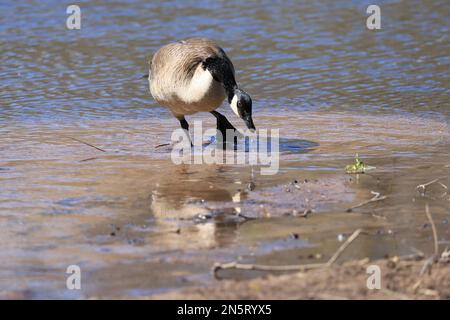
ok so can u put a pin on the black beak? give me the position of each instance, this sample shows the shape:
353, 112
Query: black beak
249, 123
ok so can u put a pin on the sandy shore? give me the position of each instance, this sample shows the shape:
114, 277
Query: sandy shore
400, 280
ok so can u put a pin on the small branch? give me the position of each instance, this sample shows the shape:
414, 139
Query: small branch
260, 267
424, 186
302, 267
343, 247
375, 198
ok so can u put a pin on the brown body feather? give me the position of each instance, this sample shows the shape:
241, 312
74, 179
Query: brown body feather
179, 81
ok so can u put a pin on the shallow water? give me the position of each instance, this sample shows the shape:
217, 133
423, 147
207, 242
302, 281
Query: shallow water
137, 224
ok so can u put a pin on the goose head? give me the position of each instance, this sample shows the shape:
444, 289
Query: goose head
241, 104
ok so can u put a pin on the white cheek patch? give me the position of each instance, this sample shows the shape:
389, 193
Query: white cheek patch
233, 105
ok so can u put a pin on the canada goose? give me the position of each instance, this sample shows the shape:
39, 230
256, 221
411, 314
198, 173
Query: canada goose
195, 75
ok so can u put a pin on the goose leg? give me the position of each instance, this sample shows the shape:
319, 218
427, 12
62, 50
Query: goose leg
222, 125
185, 126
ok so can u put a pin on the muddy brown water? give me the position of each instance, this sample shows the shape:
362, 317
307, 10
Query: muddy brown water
136, 223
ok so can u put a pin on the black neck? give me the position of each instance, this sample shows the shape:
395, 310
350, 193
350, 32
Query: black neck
230, 90
221, 70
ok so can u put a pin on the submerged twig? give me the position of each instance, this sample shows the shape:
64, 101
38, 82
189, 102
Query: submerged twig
85, 143
162, 145
88, 159
375, 198
301, 267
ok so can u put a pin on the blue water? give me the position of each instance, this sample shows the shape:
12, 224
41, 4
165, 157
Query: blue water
289, 55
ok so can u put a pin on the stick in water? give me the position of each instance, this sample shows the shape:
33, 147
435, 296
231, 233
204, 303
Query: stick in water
86, 143
375, 198
301, 267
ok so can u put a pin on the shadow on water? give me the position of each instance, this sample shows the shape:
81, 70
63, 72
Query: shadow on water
293, 146
261, 144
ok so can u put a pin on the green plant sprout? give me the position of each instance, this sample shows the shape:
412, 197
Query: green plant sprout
358, 166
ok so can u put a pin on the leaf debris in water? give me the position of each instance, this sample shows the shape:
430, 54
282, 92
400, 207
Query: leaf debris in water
358, 166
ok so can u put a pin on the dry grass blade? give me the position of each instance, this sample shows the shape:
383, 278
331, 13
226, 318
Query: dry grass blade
430, 261
375, 198
433, 228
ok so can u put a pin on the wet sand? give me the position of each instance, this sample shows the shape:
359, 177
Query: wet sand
130, 210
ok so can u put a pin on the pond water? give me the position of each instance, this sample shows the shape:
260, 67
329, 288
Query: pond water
137, 224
